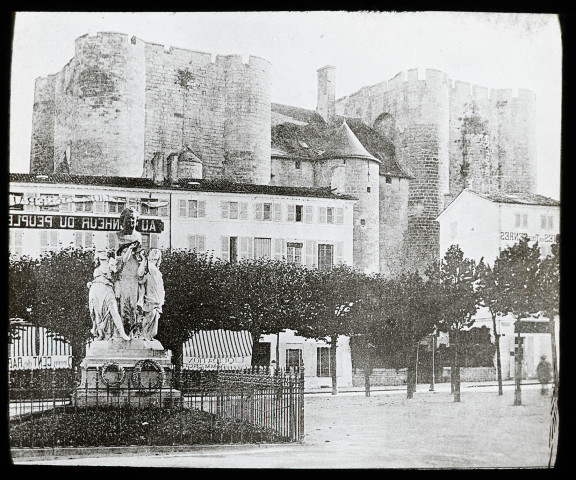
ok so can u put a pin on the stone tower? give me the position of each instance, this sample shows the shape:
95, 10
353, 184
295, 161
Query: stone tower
122, 103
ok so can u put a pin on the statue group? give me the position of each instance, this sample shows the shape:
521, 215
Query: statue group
126, 293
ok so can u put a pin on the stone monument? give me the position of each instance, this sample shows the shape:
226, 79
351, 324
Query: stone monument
124, 362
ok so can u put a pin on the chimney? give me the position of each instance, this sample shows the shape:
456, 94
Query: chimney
326, 106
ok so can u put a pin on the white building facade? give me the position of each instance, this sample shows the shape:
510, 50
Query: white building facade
309, 226
485, 224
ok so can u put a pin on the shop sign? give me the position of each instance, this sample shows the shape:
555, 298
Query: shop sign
535, 237
223, 363
71, 222
35, 362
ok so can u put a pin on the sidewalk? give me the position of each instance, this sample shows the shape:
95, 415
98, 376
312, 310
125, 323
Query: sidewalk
421, 387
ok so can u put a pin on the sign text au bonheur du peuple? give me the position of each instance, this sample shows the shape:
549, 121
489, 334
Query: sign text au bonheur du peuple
71, 222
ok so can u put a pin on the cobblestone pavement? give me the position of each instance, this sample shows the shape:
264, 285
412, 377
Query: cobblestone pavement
385, 431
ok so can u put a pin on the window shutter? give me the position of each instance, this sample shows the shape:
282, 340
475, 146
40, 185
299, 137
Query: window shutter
550, 222
259, 211
244, 248
279, 246
182, 210
243, 211
322, 214
98, 207
543, 221
201, 208
193, 208
153, 240
53, 238
308, 214
18, 238
112, 240
339, 216
78, 239
201, 243
225, 210
44, 238
339, 252
192, 242
310, 250
291, 215
225, 248
277, 208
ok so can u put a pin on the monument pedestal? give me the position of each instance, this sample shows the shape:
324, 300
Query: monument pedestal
136, 372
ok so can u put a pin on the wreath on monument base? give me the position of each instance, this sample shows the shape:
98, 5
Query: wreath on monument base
119, 369
137, 375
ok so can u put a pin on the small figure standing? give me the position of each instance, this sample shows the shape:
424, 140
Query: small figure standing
106, 321
543, 371
152, 299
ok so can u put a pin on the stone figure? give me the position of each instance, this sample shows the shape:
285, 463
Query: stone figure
106, 320
152, 299
129, 257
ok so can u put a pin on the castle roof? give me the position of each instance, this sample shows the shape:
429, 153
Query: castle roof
176, 185
302, 134
344, 144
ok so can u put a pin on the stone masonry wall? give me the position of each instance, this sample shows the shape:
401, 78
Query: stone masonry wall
121, 101
452, 136
393, 224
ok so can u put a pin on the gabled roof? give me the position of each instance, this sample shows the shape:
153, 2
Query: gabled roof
506, 198
185, 184
344, 144
518, 198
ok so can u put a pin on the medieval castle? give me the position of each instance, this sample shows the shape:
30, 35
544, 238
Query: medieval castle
404, 147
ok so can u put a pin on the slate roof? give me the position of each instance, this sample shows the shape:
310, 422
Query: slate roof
519, 198
344, 144
177, 185
302, 134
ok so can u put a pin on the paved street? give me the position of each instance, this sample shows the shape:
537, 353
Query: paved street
385, 431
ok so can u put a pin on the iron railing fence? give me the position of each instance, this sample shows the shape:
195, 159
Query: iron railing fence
195, 407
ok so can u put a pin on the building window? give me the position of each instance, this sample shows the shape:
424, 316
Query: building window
48, 240
323, 362
235, 210
295, 213
233, 249
388, 179
229, 249
262, 247
197, 242
86, 206
297, 164
294, 252
267, 211
98, 207
363, 222
116, 206
547, 222
368, 189
84, 239
149, 240
550, 222
15, 245
521, 220
192, 208
331, 215
325, 256
293, 358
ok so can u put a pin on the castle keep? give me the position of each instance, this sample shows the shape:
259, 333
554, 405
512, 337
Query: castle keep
404, 147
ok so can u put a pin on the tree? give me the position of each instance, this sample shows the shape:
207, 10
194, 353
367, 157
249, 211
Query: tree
410, 312
516, 273
366, 317
331, 300
549, 297
459, 300
59, 299
488, 290
196, 298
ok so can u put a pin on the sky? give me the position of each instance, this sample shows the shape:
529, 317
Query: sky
493, 50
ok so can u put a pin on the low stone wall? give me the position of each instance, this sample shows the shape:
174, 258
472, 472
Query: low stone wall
389, 376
